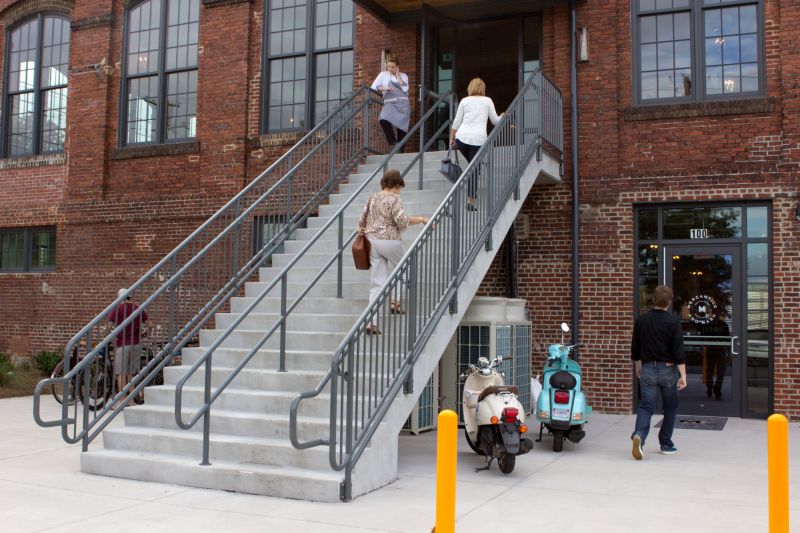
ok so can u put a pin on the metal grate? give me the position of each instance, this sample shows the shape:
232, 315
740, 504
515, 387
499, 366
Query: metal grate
709, 423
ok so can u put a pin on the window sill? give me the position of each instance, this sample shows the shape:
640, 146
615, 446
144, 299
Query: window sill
32, 161
272, 140
216, 3
156, 150
699, 109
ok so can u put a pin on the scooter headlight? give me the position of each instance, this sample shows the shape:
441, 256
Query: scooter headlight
577, 416
544, 414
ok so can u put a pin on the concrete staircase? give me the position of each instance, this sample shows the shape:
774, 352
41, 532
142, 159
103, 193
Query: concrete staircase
250, 449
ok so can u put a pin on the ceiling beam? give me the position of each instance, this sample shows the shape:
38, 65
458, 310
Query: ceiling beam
376, 9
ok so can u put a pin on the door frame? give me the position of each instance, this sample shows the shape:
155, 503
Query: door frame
738, 358
744, 241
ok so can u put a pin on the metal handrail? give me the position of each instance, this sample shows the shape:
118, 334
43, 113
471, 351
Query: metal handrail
286, 308
188, 286
366, 372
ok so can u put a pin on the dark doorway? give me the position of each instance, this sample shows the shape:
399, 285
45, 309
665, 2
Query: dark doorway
489, 51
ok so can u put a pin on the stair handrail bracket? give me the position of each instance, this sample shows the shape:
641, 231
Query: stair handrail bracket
183, 291
280, 280
368, 372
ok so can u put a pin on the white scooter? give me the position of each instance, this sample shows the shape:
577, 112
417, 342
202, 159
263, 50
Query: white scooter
494, 418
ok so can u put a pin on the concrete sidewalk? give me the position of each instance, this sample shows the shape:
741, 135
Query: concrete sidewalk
716, 483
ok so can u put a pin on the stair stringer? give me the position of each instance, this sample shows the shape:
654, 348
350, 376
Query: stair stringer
379, 468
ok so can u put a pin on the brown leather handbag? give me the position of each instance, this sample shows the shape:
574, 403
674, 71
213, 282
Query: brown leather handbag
361, 247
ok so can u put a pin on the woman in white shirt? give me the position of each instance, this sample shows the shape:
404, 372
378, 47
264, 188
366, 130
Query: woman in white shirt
469, 129
396, 108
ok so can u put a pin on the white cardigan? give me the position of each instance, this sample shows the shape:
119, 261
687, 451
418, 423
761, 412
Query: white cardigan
384, 78
471, 117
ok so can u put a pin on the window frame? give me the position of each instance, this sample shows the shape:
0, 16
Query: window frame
28, 249
162, 74
5, 135
310, 54
696, 10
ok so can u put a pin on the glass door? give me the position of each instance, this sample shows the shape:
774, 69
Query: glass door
708, 301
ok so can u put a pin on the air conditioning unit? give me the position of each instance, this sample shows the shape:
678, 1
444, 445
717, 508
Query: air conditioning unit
491, 326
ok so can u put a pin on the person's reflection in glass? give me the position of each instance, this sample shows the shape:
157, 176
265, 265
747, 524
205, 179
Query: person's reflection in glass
715, 360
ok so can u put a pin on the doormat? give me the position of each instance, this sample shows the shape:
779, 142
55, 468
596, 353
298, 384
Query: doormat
711, 423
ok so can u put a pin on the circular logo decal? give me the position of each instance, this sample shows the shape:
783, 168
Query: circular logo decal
702, 309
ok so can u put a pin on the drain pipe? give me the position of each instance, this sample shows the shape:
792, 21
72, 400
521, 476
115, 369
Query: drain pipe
573, 92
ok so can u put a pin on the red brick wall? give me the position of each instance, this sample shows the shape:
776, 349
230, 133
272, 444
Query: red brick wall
627, 157
118, 214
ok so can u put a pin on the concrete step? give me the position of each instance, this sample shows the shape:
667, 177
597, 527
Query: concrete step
306, 273
309, 304
319, 485
422, 207
431, 181
319, 361
295, 322
263, 425
225, 448
249, 378
332, 233
323, 289
295, 340
241, 400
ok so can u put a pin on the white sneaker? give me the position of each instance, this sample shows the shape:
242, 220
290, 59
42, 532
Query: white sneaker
636, 450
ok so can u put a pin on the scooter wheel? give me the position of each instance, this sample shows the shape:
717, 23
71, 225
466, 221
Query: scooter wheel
558, 441
506, 462
472, 444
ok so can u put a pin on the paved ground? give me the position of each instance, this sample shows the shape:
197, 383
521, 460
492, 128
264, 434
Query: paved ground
717, 483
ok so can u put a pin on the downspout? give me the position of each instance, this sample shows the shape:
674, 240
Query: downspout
573, 91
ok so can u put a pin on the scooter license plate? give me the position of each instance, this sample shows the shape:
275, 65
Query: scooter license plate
561, 413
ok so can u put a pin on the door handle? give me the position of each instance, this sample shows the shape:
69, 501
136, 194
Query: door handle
733, 343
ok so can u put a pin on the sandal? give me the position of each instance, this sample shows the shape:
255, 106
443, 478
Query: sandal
372, 330
396, 309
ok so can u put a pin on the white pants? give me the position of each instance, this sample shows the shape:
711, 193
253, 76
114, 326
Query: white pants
381, 254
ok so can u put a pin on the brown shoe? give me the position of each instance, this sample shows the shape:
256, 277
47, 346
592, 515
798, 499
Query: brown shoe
372, 330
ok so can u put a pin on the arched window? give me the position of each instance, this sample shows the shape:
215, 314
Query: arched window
36, 86
160, 86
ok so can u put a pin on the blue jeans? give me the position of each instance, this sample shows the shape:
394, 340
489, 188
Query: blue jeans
655, 378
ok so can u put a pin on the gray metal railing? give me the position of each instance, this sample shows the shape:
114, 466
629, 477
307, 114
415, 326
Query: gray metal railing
178, 296
367, 372
278, 286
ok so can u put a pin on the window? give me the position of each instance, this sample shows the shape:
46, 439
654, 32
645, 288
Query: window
296, 54
160, 89
36, 86
695, 50
27, 249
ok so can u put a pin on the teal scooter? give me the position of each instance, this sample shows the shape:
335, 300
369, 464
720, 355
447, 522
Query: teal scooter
561, 406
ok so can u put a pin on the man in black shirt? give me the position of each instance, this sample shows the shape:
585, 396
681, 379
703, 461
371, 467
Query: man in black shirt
657, 351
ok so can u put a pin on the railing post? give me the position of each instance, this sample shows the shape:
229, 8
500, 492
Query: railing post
340, 260
422, 101
367, 97
207, 414
413, 291
519, 116
331, 160
172, 291
456, 247
488, 245
284, 318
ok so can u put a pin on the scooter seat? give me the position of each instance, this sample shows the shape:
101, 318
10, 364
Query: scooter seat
563, 380
497, 389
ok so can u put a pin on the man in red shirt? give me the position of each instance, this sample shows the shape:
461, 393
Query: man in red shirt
128, 349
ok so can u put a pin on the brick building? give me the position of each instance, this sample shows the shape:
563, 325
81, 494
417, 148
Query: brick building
689, 144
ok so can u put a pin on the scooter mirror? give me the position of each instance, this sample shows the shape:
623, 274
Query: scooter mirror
564, 327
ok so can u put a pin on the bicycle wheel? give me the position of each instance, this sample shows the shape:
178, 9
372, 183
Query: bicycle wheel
101, 384
58, 389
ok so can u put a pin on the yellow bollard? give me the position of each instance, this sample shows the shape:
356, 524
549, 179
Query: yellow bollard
446, 460
778, 462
